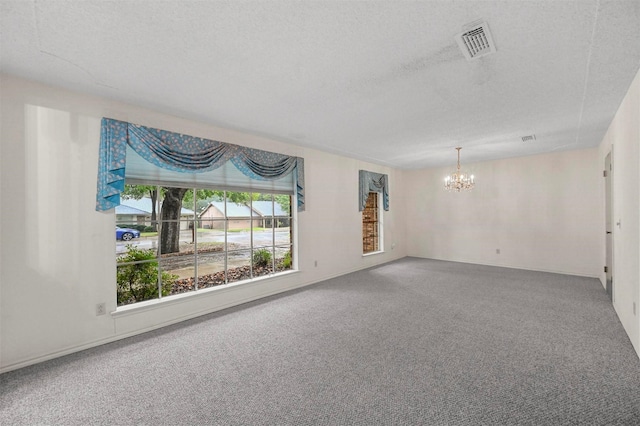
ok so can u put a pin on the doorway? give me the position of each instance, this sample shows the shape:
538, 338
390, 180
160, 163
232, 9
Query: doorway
608, 197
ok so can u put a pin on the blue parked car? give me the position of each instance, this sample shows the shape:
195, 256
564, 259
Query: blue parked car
126, 234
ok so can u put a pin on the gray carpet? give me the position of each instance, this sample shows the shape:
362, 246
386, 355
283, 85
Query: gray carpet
411, 342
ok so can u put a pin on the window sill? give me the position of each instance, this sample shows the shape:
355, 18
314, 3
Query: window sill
373, 253
149, 305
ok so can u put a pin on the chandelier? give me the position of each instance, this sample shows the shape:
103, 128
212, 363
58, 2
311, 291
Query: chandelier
458, 181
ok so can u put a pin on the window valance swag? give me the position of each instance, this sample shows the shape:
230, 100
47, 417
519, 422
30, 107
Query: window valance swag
373, 182
184, 154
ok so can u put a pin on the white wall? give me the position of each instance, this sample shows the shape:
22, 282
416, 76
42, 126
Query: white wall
58, 257
57, 254
624, 136
542, 212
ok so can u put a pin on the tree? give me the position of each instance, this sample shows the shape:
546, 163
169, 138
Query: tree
238, 197
201, 194
170, 215
136, 192
284, 201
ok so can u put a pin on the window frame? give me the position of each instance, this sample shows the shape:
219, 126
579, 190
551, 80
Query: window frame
272, 247
378, 213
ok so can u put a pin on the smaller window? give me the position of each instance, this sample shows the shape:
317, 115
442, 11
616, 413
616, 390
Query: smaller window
371, 224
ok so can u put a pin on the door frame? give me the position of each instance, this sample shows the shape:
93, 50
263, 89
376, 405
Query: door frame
609, 234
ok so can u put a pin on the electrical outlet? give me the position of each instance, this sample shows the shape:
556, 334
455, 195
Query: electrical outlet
101, 309
497, 251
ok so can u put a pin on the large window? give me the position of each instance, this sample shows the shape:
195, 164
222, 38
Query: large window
172, 240
179, 228
371, 224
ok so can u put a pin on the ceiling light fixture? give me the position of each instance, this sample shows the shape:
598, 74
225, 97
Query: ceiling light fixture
458, 181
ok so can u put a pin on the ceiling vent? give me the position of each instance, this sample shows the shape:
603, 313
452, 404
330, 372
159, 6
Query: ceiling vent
528, 138
476, 41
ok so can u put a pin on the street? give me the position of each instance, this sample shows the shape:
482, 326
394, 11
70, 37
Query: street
239, 239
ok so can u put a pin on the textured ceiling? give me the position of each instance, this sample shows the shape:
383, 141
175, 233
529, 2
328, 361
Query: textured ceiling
382, 81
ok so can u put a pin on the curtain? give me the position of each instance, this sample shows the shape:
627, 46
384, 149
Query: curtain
184, 154
373, 182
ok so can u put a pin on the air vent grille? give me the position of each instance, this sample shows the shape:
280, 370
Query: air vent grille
528, 138
476, 41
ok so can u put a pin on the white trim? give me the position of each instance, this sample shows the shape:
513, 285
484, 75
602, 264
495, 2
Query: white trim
149, 305
502, 265
77, 348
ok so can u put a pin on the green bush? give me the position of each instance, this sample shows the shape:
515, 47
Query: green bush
261, 257
148, 229
286, 261
139, 281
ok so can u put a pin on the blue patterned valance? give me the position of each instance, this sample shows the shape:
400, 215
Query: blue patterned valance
373, 182
184, 154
